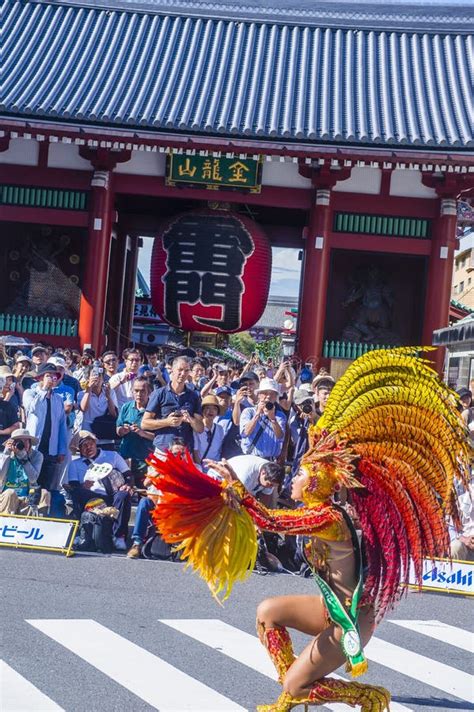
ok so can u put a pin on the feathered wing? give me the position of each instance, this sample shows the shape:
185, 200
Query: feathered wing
404, 426
217, 541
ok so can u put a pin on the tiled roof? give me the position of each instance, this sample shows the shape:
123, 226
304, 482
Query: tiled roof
244, 79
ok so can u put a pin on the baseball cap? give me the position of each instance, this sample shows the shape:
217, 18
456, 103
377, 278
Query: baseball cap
222, 367
223, 389
47, 368
37, 349
323, 379
22, 357
302, 395
57, 361
249, 376
85, 435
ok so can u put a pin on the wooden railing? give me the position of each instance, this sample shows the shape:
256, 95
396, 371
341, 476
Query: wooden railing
44, 325
348, 350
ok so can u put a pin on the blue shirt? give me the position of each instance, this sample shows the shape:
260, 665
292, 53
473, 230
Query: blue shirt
231, 443
267, 445
132, 445
165, 401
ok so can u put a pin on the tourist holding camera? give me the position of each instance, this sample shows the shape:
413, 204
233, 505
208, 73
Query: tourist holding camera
175, 409
20, 467
122, 382
262, 427
46, 421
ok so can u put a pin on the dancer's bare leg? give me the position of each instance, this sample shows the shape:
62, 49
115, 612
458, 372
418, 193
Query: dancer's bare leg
304, 613
323, 656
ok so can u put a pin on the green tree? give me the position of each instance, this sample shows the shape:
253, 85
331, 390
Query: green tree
242, 342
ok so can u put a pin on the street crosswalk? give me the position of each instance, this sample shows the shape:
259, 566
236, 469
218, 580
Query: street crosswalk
155, 681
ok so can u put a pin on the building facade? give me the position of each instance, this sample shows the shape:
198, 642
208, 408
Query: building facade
117, 115
463, 272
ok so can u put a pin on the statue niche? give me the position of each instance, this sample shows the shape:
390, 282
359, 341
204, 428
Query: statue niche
371, 301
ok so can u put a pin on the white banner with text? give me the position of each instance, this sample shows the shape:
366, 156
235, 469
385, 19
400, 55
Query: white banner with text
36, 532
447, 576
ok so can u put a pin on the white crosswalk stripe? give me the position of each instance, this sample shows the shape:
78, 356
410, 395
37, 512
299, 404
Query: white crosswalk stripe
156, 681
17, 694
149, 677
443, 632
431, 672
243, 647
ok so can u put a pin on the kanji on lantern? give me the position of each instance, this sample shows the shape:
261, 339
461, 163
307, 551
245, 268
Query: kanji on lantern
210, 272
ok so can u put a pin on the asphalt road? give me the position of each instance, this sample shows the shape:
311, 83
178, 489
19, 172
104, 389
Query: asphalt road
89, 634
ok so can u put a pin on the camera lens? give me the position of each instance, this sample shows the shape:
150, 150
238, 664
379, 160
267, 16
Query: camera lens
269, 405
20, 445
307, 408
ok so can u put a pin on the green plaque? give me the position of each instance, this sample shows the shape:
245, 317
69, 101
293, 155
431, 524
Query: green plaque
214, 173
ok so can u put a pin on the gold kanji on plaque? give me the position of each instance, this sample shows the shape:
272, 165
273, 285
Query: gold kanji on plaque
237, 171
187, 169
211, 170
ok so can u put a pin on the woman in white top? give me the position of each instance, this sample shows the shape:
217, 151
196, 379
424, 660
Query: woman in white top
96, 400
208, 444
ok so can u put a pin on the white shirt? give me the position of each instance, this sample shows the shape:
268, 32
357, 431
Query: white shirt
201, 442
247, 468
98, 405
122, 386
35, 405
78, 468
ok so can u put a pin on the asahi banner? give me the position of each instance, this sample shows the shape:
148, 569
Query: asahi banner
447, 576
210, 271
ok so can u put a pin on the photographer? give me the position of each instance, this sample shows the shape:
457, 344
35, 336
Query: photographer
304, 415
97, 401
122, 383
219, 378
174, 410
20, 467
46, 420
262, 428
110, 363
84, 368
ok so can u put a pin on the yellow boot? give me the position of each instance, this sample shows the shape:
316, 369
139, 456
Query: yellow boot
368, 697
280, 648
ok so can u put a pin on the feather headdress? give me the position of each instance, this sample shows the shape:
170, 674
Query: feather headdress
402, 425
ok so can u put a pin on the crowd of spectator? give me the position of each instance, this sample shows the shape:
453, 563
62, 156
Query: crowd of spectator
76, 429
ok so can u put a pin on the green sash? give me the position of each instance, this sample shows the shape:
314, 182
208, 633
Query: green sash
347, 619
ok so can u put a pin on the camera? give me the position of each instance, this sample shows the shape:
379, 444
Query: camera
268, 405
19, 445
177, 414
307, 408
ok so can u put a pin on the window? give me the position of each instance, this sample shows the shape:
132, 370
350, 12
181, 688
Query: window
461, 287
468, 281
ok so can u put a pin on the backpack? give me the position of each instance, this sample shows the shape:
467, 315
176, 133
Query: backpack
95, 533
155, 548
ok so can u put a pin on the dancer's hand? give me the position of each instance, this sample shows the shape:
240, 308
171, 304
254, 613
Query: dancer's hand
223, 469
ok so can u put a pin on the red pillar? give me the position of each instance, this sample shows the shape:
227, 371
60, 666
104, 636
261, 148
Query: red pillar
438, 293
312, 311
94, 284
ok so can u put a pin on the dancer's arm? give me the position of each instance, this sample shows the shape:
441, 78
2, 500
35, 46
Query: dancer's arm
326, 522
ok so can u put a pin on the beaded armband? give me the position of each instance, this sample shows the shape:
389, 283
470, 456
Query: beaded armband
238, 488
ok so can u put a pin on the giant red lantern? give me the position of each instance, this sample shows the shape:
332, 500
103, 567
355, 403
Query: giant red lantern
210, 271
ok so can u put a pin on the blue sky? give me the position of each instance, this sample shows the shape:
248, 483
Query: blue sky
285, 269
